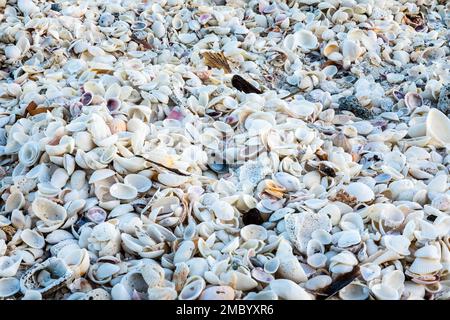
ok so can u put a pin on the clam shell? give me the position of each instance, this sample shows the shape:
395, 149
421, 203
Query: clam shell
123, 191
354, 291
32, 238
218, 293
361, 191
384, 292
8, 287
222, 210
253, 231
140, 182
193, 289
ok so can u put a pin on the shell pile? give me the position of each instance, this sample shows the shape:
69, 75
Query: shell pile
224, 149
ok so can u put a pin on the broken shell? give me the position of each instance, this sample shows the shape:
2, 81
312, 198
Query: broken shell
47, 277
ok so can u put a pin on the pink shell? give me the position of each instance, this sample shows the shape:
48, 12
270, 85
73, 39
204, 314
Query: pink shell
96, 214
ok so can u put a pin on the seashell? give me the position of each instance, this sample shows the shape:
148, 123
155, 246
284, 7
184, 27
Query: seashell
318, 282
12, 52
32, 295
272, 265
77, 260
123, 191
354, 292
288, 290
253, 231
119, 292
9, 265
96, 215
397, 243
218, 293
32, 239
8, 287
306, 39
348, 238
51, 214
102, 174
301, 108
165, 293
384, 292
15, 201
47, 277
153, 274
29, 154
437, 128
222, 210
413, 100
138, 181
184, 252
172, 180
290, 267
261, 276
193, 288
361, 191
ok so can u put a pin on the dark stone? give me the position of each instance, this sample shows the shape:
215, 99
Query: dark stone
55, 7
252, 217
352, 104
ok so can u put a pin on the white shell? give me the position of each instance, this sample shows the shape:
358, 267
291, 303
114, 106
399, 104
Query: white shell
361, 191
253, 231
8, 287
222, 210
140, 182
288, 290
123, 191
438, 128
32, 238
